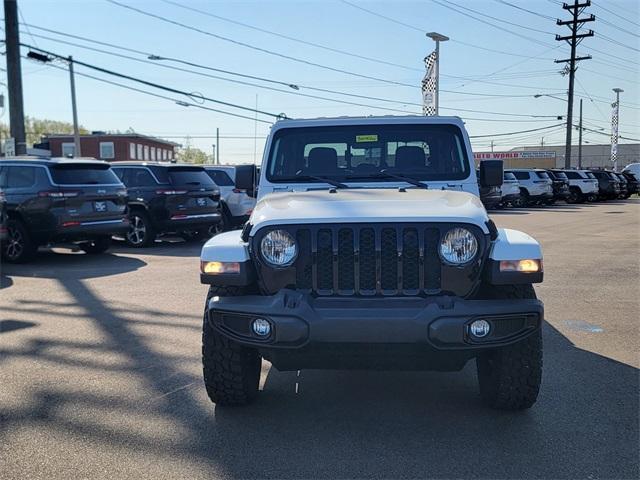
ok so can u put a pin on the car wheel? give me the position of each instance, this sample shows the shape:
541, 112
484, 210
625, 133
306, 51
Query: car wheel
509, 377
222, 226
231, 371
575, 196
524, 198
18, 247
141, 233
99, 245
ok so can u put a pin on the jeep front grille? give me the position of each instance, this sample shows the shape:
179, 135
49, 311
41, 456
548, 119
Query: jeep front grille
368, 260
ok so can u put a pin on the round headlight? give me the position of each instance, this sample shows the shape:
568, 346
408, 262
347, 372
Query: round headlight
278, 248
459, 246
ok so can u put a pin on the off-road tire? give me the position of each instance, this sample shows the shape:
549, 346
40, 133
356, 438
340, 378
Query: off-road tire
510, 377
231, 371
140, 239
18, 247
99, 245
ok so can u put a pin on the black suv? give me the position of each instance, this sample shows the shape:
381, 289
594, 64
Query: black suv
560, 185
3, 216
58, 201
633, 185
168, 198
608, 185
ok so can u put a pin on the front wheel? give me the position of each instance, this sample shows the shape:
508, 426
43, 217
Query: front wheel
509, 377
231, 371
18, 246
99, 245
575, 196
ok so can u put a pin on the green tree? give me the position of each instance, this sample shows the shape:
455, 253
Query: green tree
37, 128
189, 154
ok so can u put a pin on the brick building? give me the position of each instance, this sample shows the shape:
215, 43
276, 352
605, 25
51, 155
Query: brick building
114, 147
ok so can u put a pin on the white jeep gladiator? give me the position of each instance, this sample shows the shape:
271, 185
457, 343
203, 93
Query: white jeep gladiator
370, 249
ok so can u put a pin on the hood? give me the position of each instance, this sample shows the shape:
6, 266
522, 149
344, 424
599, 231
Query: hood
369, 205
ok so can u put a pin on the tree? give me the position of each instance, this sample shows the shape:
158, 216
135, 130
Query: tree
37, 128
188, 154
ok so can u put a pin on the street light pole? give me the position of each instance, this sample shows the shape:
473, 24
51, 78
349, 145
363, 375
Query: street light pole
76, 129
437, 37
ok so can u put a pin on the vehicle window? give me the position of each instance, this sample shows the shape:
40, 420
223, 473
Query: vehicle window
360, 153
521, 175
560, 175
509, 176
590, 175
20, 176
189, 176
140, 177
544, 175
83, 174
573, 175
220, 177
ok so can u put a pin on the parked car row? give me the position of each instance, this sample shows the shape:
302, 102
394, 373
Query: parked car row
88, 202
527, 187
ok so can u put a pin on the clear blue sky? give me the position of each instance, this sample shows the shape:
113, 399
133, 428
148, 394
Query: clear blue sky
526, 70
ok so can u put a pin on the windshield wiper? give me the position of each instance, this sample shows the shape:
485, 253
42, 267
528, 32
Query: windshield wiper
335, 183
387, 174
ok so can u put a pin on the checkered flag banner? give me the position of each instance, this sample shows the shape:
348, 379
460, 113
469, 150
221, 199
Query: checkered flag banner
614, 132
429, 86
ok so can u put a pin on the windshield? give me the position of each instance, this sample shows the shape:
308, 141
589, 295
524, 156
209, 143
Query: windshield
190, 176
83, 174
509, 176
368, 153
544, 175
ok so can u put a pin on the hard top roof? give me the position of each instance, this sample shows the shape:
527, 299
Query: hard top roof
371, 120
154, 164
41, 160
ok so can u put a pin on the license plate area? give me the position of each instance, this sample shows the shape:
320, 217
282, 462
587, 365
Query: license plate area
201, 201
100, 206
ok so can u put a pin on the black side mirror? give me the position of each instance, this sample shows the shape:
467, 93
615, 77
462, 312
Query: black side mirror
491, 173
247, 179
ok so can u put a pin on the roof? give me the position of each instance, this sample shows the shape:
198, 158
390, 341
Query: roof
134, 163
53, 160
372, 120
113, 135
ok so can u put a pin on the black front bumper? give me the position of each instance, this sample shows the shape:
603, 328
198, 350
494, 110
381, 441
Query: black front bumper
415, 333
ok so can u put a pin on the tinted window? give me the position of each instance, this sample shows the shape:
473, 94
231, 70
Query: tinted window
590, 175
189, 176
543, 175
21, 177
560, 175
221, 178
78, 174
139, 177
509, 176
361, 152
521, 175
573, 175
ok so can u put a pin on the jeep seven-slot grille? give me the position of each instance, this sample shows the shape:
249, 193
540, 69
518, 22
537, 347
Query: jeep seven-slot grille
366, 260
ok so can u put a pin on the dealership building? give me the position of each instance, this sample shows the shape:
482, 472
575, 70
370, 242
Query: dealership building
553, 156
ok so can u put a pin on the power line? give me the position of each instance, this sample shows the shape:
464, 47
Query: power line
515, 133
259, 49
547, 17
615, 14
152, 84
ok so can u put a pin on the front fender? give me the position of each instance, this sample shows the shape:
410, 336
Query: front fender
513, 245
227, 248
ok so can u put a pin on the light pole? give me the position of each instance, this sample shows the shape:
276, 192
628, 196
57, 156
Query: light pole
615, 120
437, 37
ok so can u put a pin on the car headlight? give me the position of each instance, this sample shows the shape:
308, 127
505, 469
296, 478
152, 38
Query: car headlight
278, 248
458, 246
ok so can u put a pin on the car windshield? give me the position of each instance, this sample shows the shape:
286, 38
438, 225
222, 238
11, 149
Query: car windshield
363, 153
544, 175
560, 175
509, 176
590, 175
83, 174
190, 176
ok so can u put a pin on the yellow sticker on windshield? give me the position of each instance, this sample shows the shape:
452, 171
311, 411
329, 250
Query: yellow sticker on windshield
366, 138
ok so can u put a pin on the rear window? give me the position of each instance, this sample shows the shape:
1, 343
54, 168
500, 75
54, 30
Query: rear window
221, 178
560, 175
77, 174
544, 175
509, 176
189, 176
590, 175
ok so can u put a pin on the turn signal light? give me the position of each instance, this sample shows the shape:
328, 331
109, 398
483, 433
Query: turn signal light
215, 268
525, 266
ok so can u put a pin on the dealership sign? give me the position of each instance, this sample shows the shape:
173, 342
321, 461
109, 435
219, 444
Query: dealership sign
509, 155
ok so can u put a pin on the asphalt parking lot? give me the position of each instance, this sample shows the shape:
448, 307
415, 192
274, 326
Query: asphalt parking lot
100, 377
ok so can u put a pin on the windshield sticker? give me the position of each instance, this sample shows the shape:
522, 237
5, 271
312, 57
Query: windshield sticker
366, 138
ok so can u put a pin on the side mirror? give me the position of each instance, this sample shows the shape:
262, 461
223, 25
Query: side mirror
491, 173
247, 179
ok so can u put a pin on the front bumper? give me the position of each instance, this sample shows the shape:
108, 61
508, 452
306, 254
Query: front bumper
334, 332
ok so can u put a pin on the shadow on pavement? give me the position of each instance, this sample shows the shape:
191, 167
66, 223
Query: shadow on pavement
325, 424
7, 326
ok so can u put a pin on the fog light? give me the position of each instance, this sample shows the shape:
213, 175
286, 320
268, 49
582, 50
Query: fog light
261, 327
480, 328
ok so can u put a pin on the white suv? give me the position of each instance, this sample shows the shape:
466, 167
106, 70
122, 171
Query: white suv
236, 204
536, 187
583, 185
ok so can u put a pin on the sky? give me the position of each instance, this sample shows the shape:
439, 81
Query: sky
490, 70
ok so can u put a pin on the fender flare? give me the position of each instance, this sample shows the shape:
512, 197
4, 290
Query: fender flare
513, 245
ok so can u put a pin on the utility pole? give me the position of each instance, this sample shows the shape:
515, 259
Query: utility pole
437, 37
217, 146
542, 143
76, 130
615, 120
580, 139
213, 159
491, 146
575, 24
14, 75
